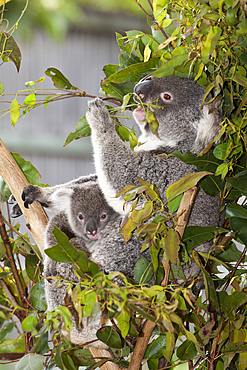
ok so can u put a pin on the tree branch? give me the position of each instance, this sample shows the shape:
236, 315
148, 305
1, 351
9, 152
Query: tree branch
36, 218
183, 213
11, 260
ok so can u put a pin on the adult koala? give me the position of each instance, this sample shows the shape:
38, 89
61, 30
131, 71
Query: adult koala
183, 125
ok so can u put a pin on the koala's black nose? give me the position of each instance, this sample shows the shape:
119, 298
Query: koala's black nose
143, 89
91, 227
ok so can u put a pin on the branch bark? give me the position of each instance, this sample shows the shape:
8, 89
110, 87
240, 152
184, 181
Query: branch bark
183, 213
35, 216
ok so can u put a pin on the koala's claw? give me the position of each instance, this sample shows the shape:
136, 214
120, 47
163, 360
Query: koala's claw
30, 194
16, 211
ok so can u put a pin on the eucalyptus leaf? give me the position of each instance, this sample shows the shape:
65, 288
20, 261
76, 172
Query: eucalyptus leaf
37, 296
82, 129
59, 80
186, 350
143, 271
110, 337
10, 49
30, 361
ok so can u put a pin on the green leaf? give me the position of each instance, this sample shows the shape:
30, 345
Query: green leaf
16, 345
89, 301
110, 337
174, 204
29, 323
64, 250
10, 49
14, 112
37, 296
235, 210
30, 99
239, 181
30, 362
186, 183
206, 331
222, 170
4, 191
209, 285
221, 150
132, 73
82, 129
197, 235
168, 68
235, 348
239, 225
66, 315
229, 304
143, 271
59, 80
81, 357
66, 253
31, 263
6, 329
210, 43
156, 349
123, 321
170, 344
170, 244
186, 350
30, 172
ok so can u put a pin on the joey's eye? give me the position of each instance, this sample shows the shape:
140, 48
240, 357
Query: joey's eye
80, 216
166, 97
103, 217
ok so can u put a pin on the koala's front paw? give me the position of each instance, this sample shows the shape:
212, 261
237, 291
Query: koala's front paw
30, 194
98, 116
97, 103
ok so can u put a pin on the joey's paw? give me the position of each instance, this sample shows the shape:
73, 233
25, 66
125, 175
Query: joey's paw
30, 194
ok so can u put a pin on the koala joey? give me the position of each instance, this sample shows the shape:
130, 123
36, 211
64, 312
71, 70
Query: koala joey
91, 226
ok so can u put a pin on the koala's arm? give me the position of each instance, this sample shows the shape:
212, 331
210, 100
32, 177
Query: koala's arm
45, 196
116, 164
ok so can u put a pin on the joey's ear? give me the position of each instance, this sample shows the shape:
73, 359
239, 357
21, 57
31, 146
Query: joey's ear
61, 198
208, 127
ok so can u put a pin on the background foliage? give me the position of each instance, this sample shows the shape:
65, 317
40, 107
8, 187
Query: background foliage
205, 40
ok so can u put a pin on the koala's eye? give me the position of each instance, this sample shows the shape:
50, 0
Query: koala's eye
166, 97
80, 216
103, 217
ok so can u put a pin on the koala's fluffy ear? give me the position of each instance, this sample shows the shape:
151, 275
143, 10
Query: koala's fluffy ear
62, 198
208, 127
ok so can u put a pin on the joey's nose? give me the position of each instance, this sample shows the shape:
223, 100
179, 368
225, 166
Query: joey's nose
91, 228
143, 89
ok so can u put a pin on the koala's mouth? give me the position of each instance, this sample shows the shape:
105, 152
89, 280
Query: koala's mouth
139, 114
93, 237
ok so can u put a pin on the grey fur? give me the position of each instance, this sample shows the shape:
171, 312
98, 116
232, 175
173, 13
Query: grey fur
183, 125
